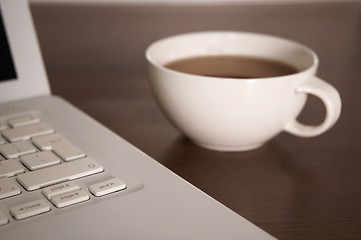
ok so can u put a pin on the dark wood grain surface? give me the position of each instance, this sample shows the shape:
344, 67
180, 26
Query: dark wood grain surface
294, 188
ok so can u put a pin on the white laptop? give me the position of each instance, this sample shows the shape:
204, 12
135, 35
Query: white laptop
65, 176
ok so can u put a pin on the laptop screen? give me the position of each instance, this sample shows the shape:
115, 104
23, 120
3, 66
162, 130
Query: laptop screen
7, 68
22, 72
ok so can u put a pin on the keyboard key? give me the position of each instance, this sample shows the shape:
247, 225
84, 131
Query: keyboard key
10, 168
59, 173
70, 198
3, 126
40, 160
27, 132
48, 141
60, 188
62, 147
2, 140
3, 218
16, 149
30, 209
107, 187
8, 188
67, 151
23, 120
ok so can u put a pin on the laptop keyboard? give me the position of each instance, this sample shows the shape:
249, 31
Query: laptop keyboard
34, 157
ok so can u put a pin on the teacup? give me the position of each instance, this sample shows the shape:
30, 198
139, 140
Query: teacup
230, 113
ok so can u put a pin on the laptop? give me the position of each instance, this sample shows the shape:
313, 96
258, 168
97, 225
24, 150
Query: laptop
65, 176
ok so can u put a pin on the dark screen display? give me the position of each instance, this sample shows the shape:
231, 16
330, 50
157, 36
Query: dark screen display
7, 68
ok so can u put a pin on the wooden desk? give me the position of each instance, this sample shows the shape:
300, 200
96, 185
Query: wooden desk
294, 188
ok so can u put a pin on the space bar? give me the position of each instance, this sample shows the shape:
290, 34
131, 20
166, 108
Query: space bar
59, 173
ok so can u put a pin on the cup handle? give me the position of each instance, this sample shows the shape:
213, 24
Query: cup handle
330, 98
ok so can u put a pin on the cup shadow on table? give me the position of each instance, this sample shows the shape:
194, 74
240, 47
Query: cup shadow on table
262, 185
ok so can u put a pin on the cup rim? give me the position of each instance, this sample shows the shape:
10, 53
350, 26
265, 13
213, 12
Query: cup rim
315, 59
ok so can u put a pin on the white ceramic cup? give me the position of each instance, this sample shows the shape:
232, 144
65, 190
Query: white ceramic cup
228, 114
